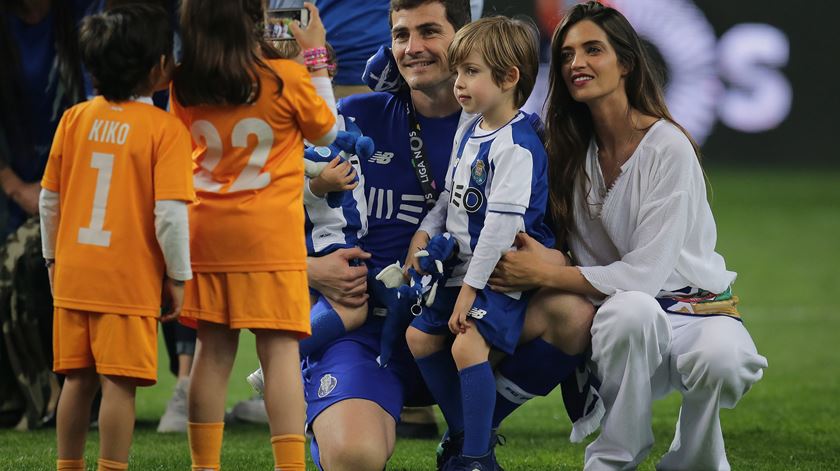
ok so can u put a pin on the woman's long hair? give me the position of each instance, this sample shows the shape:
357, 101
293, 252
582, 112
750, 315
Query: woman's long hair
222, 50
569, 127
14, 112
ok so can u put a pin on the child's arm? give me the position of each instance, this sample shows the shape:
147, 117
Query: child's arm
496, 237
433, 224
458, 320
336, 176
173, 235
48, 207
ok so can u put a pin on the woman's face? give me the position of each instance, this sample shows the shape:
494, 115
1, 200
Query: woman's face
589, 64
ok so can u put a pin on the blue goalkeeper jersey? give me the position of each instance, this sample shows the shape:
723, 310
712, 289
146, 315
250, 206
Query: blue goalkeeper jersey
395, 202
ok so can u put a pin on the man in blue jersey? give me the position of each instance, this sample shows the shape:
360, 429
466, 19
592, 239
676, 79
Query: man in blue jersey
352, 403
356, 29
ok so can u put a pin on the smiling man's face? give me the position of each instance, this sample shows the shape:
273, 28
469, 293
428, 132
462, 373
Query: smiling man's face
420, 38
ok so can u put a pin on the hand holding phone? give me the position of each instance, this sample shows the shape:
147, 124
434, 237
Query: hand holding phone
312, 34
280, 15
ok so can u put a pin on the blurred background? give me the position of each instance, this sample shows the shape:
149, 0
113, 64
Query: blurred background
754, 81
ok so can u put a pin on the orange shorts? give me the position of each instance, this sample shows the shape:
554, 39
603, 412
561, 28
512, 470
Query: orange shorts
276, 300
114, 344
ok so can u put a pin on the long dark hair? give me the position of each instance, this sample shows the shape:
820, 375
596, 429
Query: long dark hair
569, 127
71, 84
219, 63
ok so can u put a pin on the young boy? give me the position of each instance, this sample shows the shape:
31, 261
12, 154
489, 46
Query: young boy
114, 228
496, 187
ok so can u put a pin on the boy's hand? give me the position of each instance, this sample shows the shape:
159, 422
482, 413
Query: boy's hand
418, 242
173, 299
458, 320
338, 175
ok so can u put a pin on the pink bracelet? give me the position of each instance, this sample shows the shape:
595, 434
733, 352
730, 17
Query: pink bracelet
315, 56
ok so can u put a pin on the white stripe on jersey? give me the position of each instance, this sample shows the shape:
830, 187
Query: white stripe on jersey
500, 182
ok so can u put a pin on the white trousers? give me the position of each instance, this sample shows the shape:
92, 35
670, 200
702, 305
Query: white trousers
642, 353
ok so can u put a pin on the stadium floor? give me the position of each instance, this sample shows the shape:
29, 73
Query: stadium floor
778, 229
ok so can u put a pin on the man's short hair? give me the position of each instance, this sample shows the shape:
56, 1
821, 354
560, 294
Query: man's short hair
457, 11
503, 43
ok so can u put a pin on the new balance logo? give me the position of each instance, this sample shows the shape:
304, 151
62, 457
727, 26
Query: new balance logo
477, 313
381, 158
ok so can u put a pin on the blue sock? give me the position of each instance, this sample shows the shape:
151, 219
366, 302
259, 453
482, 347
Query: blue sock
479, 397
534, 369
441, 376
326, 327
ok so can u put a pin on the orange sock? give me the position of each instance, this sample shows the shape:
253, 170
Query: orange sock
288, 452
205, 444
108, 465
70, 465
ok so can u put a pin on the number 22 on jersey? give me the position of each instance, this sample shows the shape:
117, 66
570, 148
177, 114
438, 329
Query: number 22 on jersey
251, 177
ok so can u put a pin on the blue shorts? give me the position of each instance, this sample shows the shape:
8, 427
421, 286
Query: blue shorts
347, 369
499, 317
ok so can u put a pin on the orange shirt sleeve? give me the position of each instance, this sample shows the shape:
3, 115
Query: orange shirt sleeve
52, 173
311, 112
173, 165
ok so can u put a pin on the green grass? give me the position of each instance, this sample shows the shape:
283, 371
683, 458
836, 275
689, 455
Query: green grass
778, 230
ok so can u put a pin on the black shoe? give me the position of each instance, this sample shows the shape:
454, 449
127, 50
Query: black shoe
448, 448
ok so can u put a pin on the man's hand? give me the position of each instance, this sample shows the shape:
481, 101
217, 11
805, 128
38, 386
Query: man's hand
334, 277
336, 176
173, 299
458, 320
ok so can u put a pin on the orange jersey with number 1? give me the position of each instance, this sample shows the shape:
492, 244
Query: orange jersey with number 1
109, 163
249, 175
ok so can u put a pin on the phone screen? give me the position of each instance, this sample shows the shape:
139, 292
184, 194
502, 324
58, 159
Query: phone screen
279, 14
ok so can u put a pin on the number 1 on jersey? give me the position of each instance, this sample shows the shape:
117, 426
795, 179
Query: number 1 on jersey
93, 234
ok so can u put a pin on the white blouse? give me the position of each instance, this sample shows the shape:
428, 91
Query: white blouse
653, 231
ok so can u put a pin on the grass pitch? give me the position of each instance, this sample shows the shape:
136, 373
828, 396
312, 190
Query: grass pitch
777, 229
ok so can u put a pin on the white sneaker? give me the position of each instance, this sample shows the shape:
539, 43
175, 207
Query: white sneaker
257, 381
250, 410
175, 417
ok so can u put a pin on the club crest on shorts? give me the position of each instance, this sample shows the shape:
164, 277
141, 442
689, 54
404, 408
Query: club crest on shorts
328, 383
479, 173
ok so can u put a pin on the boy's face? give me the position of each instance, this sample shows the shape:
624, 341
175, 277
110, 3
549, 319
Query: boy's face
420, 38
474, 87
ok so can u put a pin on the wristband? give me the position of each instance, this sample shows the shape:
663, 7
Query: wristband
316, 58
49, 262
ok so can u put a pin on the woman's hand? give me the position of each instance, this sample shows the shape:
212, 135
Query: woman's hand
458, 320
314, 35
524, 268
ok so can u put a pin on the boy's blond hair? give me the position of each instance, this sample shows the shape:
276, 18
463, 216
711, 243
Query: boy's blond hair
503, 43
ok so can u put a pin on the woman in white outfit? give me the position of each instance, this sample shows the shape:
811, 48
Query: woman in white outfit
629, 192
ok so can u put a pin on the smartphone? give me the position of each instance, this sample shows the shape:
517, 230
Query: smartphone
278, 15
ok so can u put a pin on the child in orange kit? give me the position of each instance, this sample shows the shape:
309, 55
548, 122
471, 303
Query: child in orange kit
114, 226
249, 112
